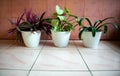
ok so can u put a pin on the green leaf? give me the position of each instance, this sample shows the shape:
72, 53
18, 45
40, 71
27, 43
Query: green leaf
62, 18
18, 29
48, 20
89, 21
93, 31
97, 21
54, 22
81, 31
66, 10
55, 28
79, 21
24, 25
68, 26
59, 11
71, 15
106, 19
112, 24
105, 29
101, 21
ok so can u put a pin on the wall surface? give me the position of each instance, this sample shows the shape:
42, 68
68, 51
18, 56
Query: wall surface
94, 9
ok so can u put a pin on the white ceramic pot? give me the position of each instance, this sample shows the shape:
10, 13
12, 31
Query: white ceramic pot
61, 39
31, 39
90, 41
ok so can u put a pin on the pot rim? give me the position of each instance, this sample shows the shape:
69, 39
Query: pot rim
30, 31
60, 31
91, 31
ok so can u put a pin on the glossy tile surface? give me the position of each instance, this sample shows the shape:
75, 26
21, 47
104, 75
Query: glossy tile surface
101, 59
13, 73
106, 73
64, 59
48, 60
17, 58
57, 73
50, 45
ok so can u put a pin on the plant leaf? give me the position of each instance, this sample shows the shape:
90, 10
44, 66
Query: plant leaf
89, 21
71, 15
81, 31
48, 20
28, 15
25, 26
105, 29
11, 31
97, 21
12, 22
79, 21
112, 24
19, 19
68, 27
62, 18
93, 31
66, 10
101, 21
54, 22
59, 11
41, 17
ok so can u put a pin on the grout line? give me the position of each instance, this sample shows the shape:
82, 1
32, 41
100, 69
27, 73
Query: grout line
36, 58
84, 60
62, 70
105, 70
57, 70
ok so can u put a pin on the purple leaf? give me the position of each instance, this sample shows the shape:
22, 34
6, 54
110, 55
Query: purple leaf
11, 31
42, 16
28, 15
34, 18
12, 22
19, 19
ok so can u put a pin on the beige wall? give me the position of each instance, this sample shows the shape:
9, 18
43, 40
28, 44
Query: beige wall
94, 9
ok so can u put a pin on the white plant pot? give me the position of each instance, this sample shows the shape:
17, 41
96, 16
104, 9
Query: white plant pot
31, 39
61, 39
90, 41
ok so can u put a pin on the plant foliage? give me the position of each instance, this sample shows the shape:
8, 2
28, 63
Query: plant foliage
29, 21
98, 25
63, 20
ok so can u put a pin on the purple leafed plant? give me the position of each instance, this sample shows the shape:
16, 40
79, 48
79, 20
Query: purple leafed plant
29, 21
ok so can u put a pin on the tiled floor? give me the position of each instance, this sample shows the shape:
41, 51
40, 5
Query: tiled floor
48, 60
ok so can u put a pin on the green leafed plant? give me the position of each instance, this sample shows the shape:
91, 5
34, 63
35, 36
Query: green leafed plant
98, 25
63, 20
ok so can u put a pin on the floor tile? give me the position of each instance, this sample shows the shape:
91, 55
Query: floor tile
17, 58
23, 47
101, 45
101, 60
13, 73
114, 45
50, 45
106, 73
46, 73
62, 59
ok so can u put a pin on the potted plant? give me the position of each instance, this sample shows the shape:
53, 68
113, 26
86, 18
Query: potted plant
62, 25
91, 34
28, 27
